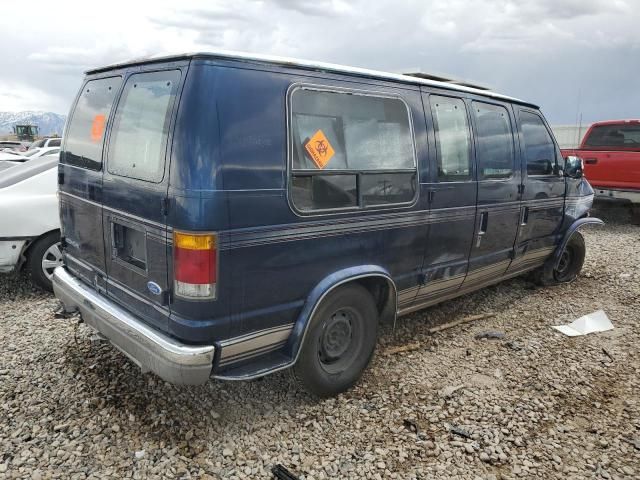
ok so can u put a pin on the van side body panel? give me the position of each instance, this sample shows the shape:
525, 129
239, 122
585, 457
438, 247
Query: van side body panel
228, 175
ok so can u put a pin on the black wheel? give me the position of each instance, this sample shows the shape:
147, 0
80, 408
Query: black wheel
44, 256
569, 266
339, 343
571, 260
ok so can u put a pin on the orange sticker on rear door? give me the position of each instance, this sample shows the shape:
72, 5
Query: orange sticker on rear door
97, 127
319, 149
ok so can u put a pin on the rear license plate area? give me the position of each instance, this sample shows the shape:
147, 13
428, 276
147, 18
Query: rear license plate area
129, 246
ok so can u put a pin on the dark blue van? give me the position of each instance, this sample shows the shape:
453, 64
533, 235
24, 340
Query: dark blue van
229, 216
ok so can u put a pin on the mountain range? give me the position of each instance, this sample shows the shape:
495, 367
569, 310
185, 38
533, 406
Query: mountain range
49, 123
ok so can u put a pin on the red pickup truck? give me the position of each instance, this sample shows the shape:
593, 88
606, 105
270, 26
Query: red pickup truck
611, 155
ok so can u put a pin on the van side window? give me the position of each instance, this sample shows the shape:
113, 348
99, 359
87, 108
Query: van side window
350, 150
453, 144
139, 136
85, 135
494, 140
539, 149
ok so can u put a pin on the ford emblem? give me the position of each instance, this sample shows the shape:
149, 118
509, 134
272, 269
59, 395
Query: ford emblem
154, 288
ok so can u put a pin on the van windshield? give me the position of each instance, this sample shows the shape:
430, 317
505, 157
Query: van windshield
88, 122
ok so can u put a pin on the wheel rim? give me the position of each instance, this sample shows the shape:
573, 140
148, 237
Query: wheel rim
339, 341
565, 263
51, 259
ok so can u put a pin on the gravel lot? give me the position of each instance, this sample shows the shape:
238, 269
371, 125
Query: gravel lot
532, 403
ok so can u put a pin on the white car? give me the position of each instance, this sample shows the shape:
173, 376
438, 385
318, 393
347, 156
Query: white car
13, 156
29, 221
46, 142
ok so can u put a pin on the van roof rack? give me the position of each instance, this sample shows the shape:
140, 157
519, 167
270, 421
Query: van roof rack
310, 65
446, 79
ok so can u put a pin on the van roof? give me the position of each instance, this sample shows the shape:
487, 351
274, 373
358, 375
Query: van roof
310, 65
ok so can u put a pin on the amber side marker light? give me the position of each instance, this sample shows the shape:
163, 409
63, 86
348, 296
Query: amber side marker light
195, 265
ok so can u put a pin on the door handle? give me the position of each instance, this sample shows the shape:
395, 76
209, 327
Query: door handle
591, 161
525, 216
482, 227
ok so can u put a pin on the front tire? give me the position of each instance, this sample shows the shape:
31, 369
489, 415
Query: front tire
569, 266
571, 260
44, 256
339, 343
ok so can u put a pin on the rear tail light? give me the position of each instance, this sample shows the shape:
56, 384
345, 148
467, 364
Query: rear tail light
195, 265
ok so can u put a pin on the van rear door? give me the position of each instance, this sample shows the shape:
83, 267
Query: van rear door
80, 179
134, 192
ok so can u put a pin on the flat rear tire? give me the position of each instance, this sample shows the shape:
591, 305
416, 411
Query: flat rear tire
339, 343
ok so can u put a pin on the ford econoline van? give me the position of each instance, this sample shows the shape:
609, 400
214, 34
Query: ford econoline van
229, 216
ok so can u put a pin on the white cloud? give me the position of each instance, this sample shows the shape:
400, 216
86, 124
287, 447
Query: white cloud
537, 49
16, 97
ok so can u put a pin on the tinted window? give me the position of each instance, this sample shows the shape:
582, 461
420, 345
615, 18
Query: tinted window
318, 192
539, 149
387, 189
138, 140
363, 132
85, 134
38, 144
614, 136
494, 140
54, 143
452, 138
368, 138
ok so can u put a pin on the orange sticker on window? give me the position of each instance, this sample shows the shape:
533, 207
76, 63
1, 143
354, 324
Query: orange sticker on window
97, 127
319, 149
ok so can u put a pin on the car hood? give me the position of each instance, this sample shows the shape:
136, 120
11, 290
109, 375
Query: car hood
12, 157
4, 165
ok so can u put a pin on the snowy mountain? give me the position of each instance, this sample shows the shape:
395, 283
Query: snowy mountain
48, 122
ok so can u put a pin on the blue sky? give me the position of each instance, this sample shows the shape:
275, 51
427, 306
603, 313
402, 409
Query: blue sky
572, 57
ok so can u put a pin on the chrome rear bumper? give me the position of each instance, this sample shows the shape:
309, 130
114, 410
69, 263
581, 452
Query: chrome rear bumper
151, 350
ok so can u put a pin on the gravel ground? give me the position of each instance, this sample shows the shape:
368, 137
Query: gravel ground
531, 403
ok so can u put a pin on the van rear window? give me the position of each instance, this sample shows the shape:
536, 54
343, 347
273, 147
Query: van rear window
85, 135
138, 139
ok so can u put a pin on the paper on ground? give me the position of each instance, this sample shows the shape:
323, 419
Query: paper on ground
591, 323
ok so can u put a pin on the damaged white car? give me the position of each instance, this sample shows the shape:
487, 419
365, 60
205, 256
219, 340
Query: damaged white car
29, 222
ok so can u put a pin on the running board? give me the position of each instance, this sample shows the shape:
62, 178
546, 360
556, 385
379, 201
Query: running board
255, 368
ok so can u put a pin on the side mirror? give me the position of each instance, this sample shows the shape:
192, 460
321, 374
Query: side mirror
573, 167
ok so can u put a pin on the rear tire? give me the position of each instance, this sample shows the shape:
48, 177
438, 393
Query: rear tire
339, 343
44, 255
